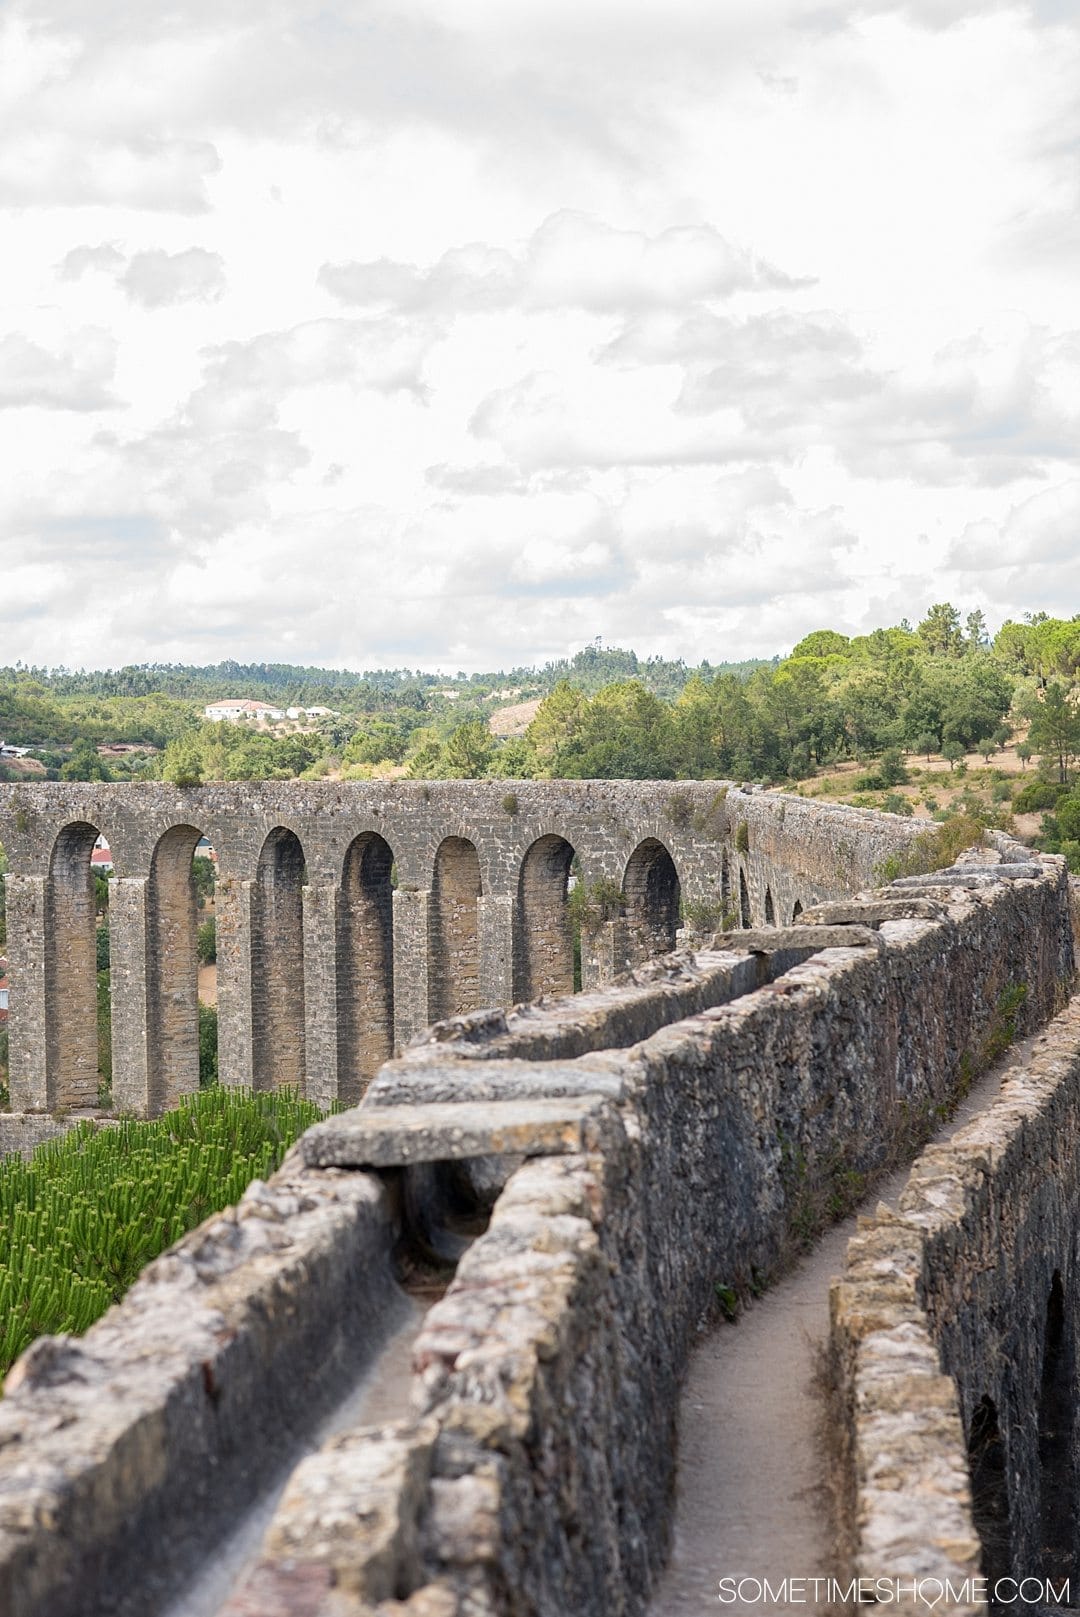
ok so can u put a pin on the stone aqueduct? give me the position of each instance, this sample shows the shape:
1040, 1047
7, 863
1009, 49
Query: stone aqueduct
625, 1146
351, 917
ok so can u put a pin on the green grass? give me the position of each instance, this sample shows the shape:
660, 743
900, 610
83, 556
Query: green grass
84, 1216
934, 849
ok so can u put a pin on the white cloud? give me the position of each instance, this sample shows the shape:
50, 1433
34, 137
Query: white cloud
105, 259
77, 377
1026, 559
384, 354
695, 326
571, 261
59, 169
156, 278
153, 278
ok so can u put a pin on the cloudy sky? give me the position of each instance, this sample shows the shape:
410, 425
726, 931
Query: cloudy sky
453, 333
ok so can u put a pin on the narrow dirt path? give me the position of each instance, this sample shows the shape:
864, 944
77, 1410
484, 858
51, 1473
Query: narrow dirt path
751, 1498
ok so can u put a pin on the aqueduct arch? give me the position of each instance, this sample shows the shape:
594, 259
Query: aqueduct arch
71, 1054
454, 977
325, 965
365, 963
277, 980
745, 914
545, 963
653, 895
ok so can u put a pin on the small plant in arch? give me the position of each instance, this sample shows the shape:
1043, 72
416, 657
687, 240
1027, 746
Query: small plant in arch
591, 904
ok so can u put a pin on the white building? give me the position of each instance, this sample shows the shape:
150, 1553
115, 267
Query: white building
241, 707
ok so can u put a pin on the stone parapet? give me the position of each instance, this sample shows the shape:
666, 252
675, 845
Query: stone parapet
947, 1324
546, 1379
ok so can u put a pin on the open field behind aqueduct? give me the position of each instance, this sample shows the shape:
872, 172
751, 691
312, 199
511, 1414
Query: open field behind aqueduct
432, 1367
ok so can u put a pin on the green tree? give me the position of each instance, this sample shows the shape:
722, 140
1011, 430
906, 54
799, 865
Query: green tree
975, 632
468, 751
204, 877
206, 942
1055, 730
556, 725
940, 631
426, 761
624, 735
85, 764
892, 769
1067, 814
894, 803
208, 1046
823, 643
513, 760
381, 738
182, 763
952, 752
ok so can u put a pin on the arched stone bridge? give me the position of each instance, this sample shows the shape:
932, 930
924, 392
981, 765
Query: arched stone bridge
351, 916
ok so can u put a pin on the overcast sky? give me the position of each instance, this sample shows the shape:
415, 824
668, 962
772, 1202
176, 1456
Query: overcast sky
454, 333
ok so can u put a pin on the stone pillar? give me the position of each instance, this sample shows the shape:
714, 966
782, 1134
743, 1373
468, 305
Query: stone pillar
412, 947
28, 1007
495, 929
232, 907
320, 993
605, 951
135, 1086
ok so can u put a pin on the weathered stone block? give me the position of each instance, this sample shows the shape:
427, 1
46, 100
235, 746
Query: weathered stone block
395, 1136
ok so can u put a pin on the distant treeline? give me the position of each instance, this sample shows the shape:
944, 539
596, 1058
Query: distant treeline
292, 685
941, 687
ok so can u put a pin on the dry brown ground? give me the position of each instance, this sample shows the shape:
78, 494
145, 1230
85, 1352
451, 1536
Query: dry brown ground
25, 766
515, 719
935, 779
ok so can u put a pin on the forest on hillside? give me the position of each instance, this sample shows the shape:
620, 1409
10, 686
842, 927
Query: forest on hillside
943, 686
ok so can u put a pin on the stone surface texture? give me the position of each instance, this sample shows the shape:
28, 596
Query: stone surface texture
707, 1116
944, 1304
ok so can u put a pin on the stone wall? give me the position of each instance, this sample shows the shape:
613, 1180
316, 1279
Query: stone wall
22, 1132
677, 1133
955, 1336
129, 1454
324, 966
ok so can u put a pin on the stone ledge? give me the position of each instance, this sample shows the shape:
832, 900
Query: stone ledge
397, 1136
973, 876
450, 1083
873, 911
777, 940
